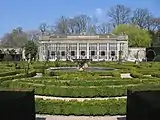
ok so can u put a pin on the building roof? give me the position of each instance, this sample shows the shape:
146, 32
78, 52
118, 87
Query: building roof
84, 37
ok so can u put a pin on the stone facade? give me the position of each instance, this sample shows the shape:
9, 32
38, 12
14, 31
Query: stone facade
97, 47
139, 53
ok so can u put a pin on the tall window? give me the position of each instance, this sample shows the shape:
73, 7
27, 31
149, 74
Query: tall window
92, 53
102, 53
53, 53
93, 50
113, 49
83, 53
82, 50
113, 53
63, 53
72, 53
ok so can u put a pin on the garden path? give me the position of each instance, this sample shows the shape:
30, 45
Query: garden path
78, 99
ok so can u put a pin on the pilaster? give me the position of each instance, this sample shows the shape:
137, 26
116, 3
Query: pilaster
87, 50
77, 50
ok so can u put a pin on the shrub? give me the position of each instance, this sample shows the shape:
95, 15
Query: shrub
100, 82
116, 74
8, 73
22, 75
85, 108
155, 74
135, 74
75, 91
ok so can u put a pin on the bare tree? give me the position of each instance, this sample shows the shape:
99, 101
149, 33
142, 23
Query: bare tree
33, 35
82, 23
154, 24
119, 14
43, 28
105, 28
17, 38
92, 29
61, 26
142, 18
71, 26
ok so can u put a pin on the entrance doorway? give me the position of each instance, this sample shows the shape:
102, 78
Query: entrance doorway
150, 55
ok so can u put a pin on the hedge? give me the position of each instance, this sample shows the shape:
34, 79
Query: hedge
75, 91
85, 108
102, 82
135, 74
3, 74
86, 74
22, 75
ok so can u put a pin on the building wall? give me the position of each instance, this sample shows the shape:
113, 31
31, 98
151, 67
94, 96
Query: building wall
95, 49
134, 51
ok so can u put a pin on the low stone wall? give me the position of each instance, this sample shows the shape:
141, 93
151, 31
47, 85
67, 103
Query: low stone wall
133, 52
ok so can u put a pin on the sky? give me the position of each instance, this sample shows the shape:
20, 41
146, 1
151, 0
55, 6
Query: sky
29, 14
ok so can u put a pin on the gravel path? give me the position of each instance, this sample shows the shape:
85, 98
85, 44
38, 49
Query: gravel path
49, 117
78, 99
126, 75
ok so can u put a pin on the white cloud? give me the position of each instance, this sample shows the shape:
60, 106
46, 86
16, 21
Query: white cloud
99, 12
99, 15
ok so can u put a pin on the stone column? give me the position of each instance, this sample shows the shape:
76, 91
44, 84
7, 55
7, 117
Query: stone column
126, 50
40, 53
108, 51
118, 49
77, 50
87, 50
98, 55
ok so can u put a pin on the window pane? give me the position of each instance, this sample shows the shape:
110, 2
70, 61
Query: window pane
102, 53
53, 53
63, 53
113, 53
92, 53
72, 53
83, 53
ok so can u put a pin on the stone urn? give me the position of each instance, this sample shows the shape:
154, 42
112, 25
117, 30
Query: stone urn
81, 69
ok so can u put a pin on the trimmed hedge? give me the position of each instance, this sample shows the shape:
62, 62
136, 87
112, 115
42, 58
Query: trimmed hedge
102, 82
86, 75
156, 74
85, 108
75, 91
8, 73
22, 75
135, 74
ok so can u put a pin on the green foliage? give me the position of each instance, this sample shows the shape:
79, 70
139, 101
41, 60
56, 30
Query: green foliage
116, 74
17, 76
97, 82
31, 49
135, 74
8, 73
79, 91
155, 74
137, 37
85, 108
157, 58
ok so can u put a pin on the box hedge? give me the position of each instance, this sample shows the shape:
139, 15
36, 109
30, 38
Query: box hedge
75, 91
17, 76
100, 82
9, 73
155, 74
85, 108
